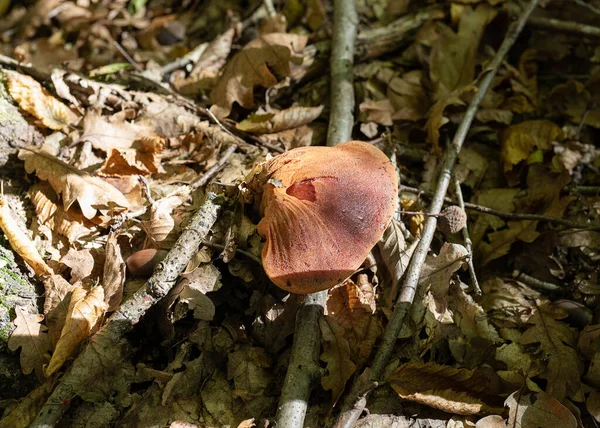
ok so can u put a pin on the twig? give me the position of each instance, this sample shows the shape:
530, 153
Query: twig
341, 87
588, 6
129, 59
221, 247
468, 243
409, 287
304, 368
565, 26
90, 364
214, 169
536, 283
503, 214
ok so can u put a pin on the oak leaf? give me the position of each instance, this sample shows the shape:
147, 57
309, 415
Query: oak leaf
336, 353
92, 193
32, 338
36, 101
114, 273
262, 62
538, 410
558, 348
85, 311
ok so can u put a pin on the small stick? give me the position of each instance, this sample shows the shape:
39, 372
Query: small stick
214, 169
468, 243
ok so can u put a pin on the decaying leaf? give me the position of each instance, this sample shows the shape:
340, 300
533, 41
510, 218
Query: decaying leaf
283, 120
249, 368
519, 141
26, 412
113, 278
538, 409
32, 338
92, 193
336, 353
437, 271
449, 389
558, 348
85, 311
262, 62
35, 100
20, 241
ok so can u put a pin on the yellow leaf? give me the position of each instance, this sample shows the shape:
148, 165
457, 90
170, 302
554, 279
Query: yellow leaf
92, 193
85, 311
36, 101
20, 242
520, 140
32, 338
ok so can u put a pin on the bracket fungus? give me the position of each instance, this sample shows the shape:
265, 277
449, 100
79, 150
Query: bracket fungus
324, 208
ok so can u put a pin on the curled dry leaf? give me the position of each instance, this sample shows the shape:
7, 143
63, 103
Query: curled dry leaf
70, 224
114, 273
161, 221
20, 242
36, 101
56, 304
81, 263
262, 62
85, 311
26, 412
32, 338
283, 120
92, 193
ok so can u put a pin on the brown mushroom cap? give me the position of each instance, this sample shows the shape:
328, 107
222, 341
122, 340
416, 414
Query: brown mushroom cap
324, 209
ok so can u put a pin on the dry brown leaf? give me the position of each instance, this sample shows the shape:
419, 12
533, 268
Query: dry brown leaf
501, 241
215, 55
114, 273
71, 224
283, 120
438, 271
131, 162
20, 241
262, 62
351, 309
557, 345
107, 135
32, 338
26, 412
336, 353
538, 410
450, 389
436, 113
92, 193
56, 305
593, 405
36, 101
161, 221
378, 111
453, 55
81, 263
85, 312
249, 368
492, 421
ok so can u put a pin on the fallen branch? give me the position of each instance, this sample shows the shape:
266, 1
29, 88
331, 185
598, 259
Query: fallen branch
564, 26
351, 413
303, 368
91, 364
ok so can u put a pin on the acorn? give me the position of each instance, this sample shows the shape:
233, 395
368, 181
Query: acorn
142, 263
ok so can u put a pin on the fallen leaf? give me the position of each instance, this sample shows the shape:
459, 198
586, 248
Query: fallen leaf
336, 353
538, 410
113, 277
501, 241
85, 311
450, 389
262, 62
161, 221
249, 368
26, 412
519, 141
92, 193
283, 120
436, 113
438, 271
35, 100
20, 241
378, 111
32, 338
557, 346
81, 263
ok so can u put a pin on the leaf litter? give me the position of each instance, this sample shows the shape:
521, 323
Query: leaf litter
139, 102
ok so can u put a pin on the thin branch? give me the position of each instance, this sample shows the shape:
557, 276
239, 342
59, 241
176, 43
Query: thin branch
90, 364
468, 243
214, 169
565, 26
409, 287
341, 87
303, 369
506, 215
